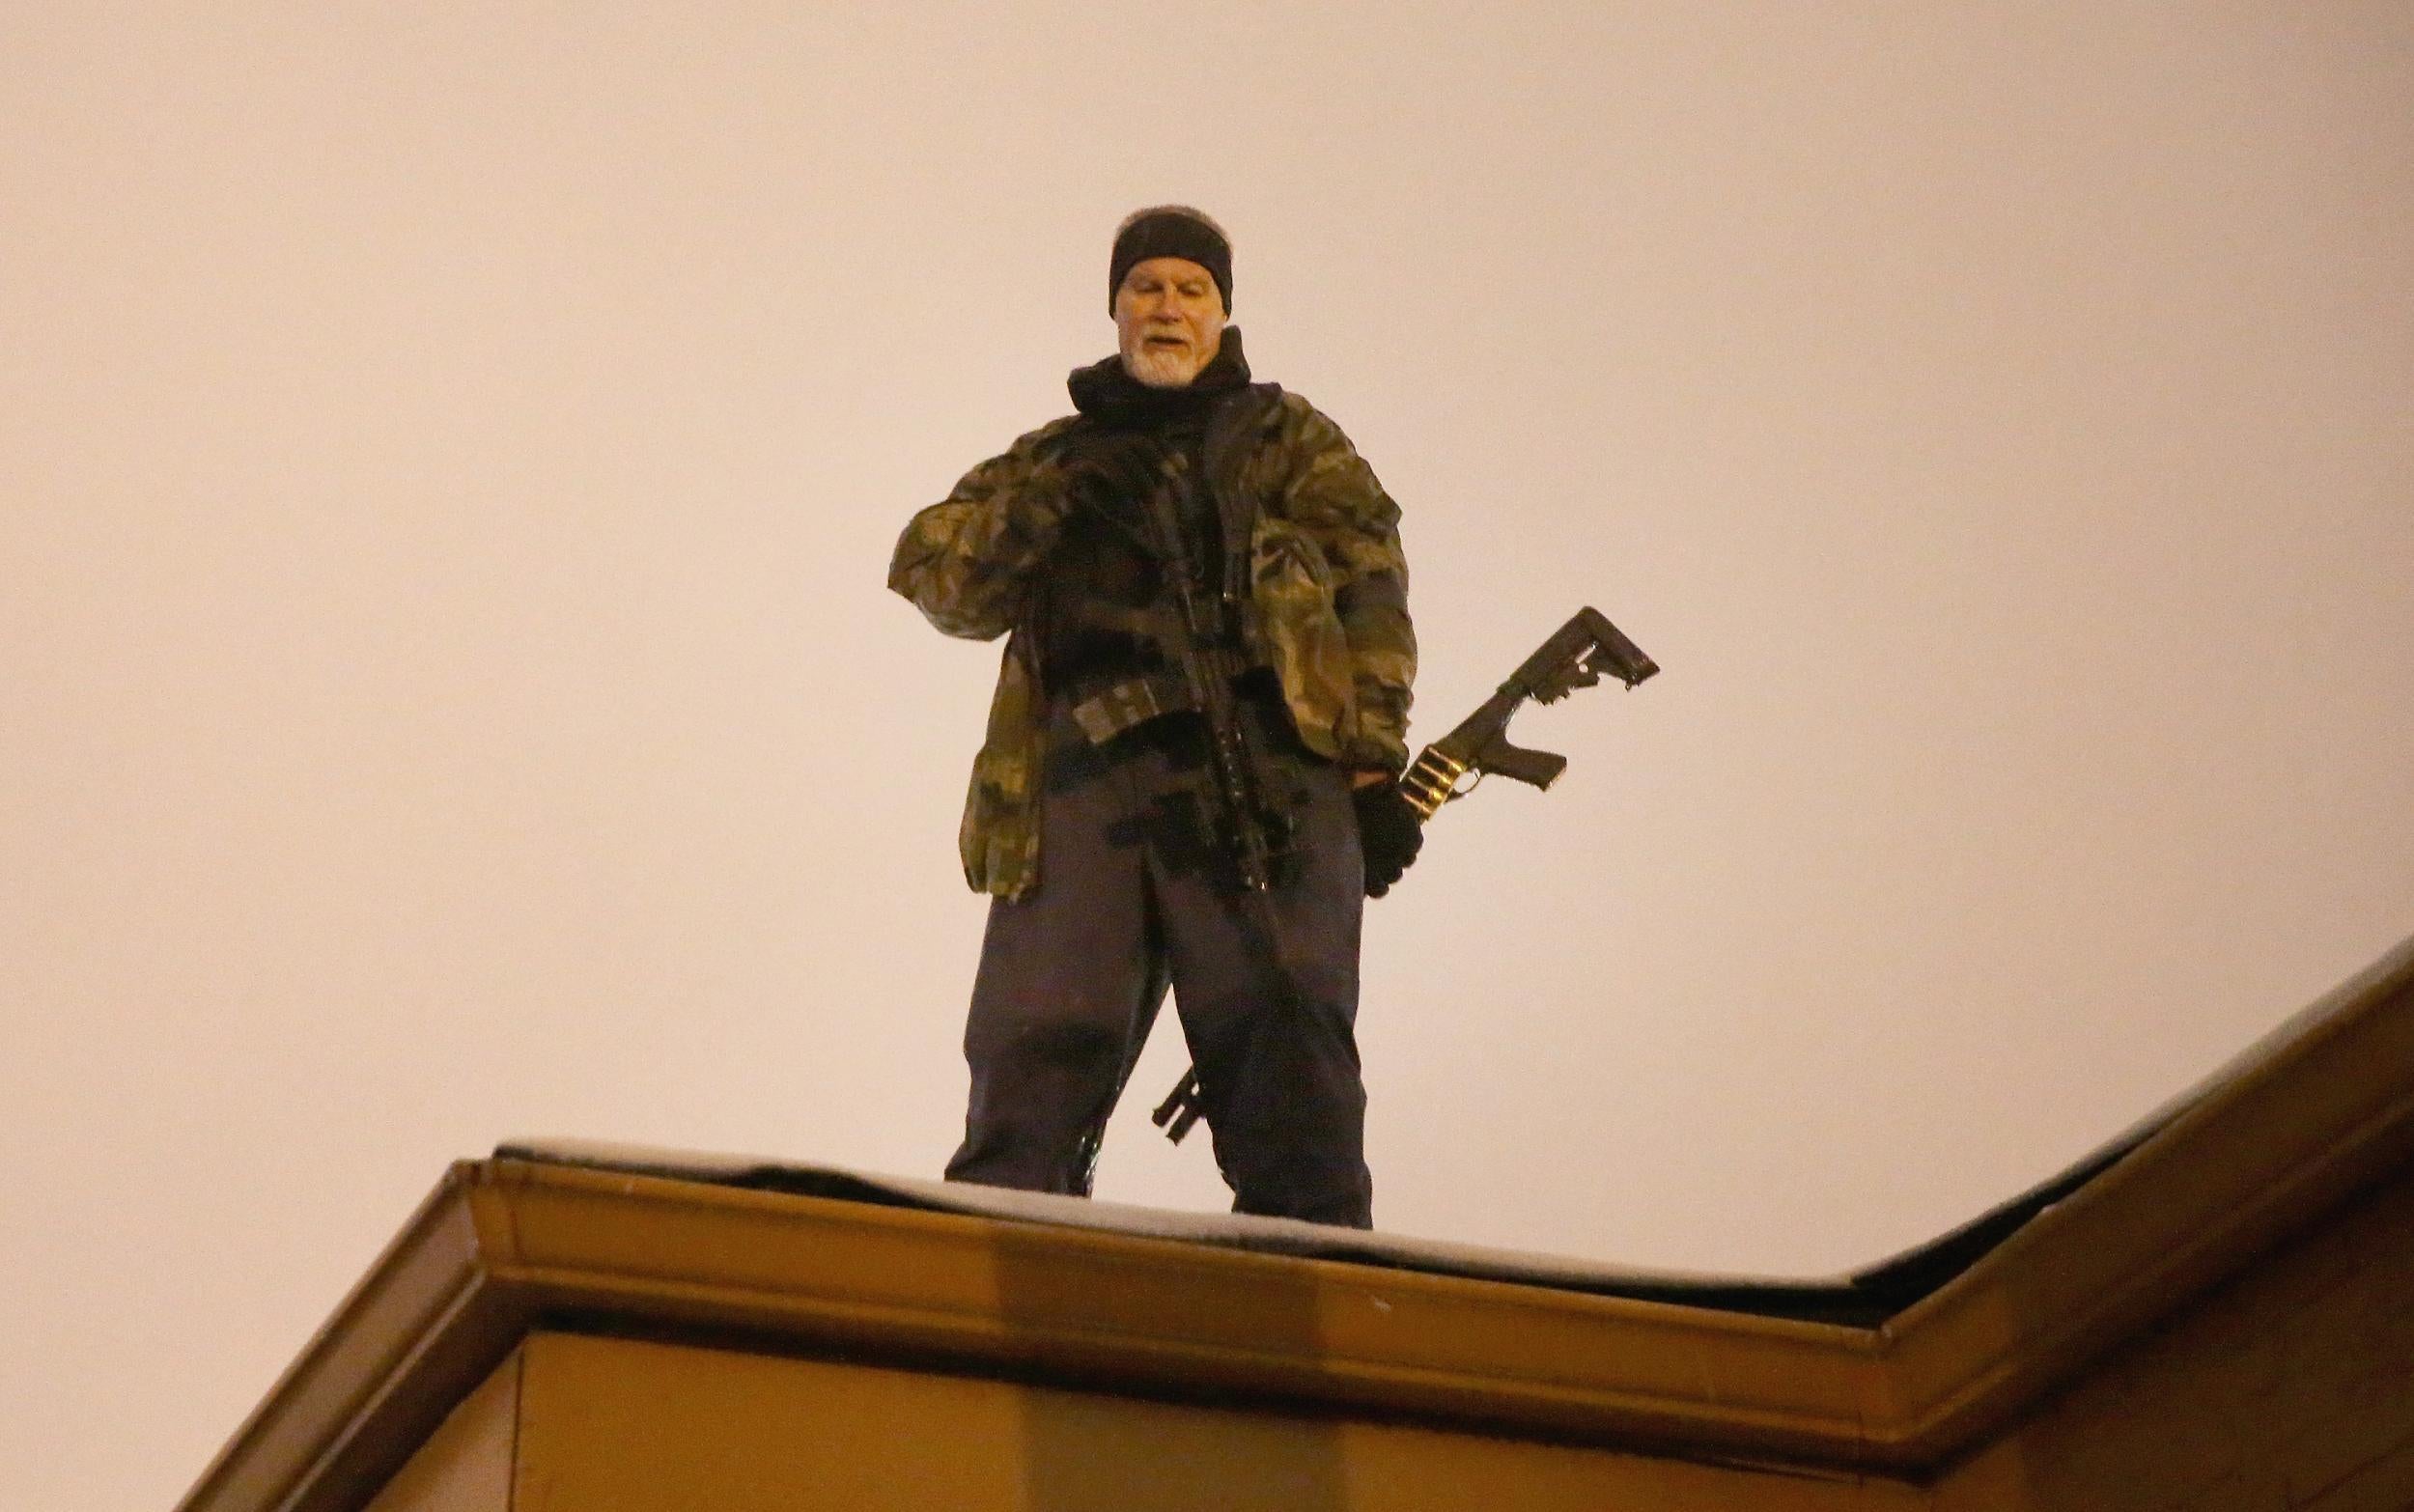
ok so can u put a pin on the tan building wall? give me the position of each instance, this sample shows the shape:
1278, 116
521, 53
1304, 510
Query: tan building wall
574, 1423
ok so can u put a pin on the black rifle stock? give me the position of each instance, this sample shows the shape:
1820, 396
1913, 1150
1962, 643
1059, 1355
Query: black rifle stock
1576, 655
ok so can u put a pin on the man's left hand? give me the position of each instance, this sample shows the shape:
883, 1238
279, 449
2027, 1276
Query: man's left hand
1390, 834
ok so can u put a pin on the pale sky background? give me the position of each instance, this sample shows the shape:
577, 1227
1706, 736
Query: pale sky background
450, 454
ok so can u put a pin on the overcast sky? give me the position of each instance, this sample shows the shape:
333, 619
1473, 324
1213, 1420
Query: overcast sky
450, 455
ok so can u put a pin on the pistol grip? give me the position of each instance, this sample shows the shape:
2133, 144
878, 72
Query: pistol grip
1539, 769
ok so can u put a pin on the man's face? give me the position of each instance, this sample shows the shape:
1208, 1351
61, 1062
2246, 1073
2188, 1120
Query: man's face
1168, 320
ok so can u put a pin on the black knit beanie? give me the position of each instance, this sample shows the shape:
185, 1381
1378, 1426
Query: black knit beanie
1171, 231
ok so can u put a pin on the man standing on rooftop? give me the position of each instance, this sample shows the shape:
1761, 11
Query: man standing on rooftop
1189, 773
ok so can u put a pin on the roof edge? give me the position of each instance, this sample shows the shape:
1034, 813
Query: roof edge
2315, 1112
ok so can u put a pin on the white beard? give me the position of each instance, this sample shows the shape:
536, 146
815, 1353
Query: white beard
1163, 368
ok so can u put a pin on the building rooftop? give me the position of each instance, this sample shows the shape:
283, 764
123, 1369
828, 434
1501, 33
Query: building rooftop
1893, 1370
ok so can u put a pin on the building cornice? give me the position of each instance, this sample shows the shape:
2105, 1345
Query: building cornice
506, 1245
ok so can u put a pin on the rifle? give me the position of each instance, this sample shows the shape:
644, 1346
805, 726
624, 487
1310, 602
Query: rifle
1232, 809
1576, 655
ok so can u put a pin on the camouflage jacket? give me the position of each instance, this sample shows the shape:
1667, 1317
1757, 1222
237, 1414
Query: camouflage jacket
1326, 605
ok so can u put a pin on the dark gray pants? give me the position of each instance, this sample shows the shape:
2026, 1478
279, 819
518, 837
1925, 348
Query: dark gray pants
1134, 897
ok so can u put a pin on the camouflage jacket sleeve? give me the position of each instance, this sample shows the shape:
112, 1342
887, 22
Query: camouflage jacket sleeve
967, 561
1330, 491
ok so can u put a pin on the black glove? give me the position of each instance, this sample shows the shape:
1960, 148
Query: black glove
1113, 472
1389, 832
